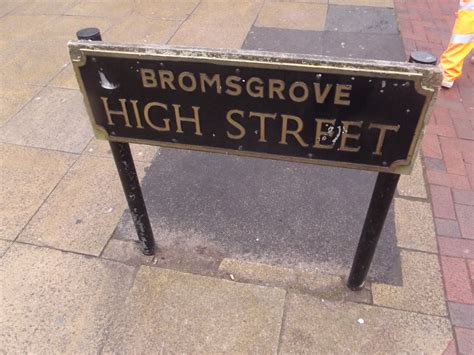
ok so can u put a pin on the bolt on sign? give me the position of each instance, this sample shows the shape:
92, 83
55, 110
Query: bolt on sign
356, 114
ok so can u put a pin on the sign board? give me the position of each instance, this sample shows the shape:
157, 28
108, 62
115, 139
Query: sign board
367, 115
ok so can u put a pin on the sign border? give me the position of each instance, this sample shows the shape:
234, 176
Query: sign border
427, 81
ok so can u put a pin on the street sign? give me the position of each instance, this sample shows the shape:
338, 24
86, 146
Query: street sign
356, 114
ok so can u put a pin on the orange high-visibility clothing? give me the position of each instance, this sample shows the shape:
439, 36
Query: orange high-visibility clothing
461, 42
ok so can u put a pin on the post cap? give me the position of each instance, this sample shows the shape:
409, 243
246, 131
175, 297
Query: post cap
89, 33
422, 58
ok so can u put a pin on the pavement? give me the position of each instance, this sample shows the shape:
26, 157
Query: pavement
247, 263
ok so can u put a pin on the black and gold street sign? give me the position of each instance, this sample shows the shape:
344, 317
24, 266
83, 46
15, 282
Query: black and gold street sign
367, 115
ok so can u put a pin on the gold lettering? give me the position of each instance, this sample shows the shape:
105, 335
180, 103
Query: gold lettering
180, 119
137, 113
146, 113
292, 90
235, 124
276, 86
383, 129
192, 79
320, 133
166, 78
148, 78
321, 97
110, 112
262, 117
258, 88
233, 86
295, 133
342, 95
214, 80
346, 125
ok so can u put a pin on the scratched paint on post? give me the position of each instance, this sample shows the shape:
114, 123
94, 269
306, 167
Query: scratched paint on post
366, 115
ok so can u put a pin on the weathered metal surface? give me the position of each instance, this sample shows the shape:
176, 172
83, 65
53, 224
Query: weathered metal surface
367, 115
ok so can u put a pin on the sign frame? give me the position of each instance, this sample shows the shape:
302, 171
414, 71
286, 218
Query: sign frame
427, 81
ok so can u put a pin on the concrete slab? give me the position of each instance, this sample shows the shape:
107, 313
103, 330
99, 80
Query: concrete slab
316, 327
422, 289
166, 9
281, 40
4, 245
56, 302
82, 212
414, 225
323, 285
376, 3
217, 25
413, 185
361, 19
364, 45
103, 8
292, 16
65, 79
136, 29
43, 7
278, 213
140, 152
55, 119
27, 176
174, 312
13, 96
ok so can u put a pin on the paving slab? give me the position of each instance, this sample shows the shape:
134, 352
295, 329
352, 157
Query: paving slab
166, 9
175, 312
361, 19
140, 152
4, 245
462, 315
13, 96
56, 302
413, 185
422, 289
81, 214
293, 16
376, 3
27, 176
103, 8
43, 7
136, 29
414, 225
279, 40
364, 46
66, 79
316, 327
324, 285
55, 119
217, 25
272, 212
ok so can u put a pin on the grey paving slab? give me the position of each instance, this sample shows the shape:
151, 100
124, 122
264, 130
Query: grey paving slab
292, 215
173, 312
56, 302
55, 119
283, 40
364, 46
361, 19
335, 44
316, 327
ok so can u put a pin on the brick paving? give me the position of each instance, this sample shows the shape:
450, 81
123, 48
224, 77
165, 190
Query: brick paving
447, 150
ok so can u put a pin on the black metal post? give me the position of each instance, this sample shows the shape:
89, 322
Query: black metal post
382, 196
128, 175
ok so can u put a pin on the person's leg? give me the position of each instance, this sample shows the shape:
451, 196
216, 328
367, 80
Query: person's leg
461, 44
